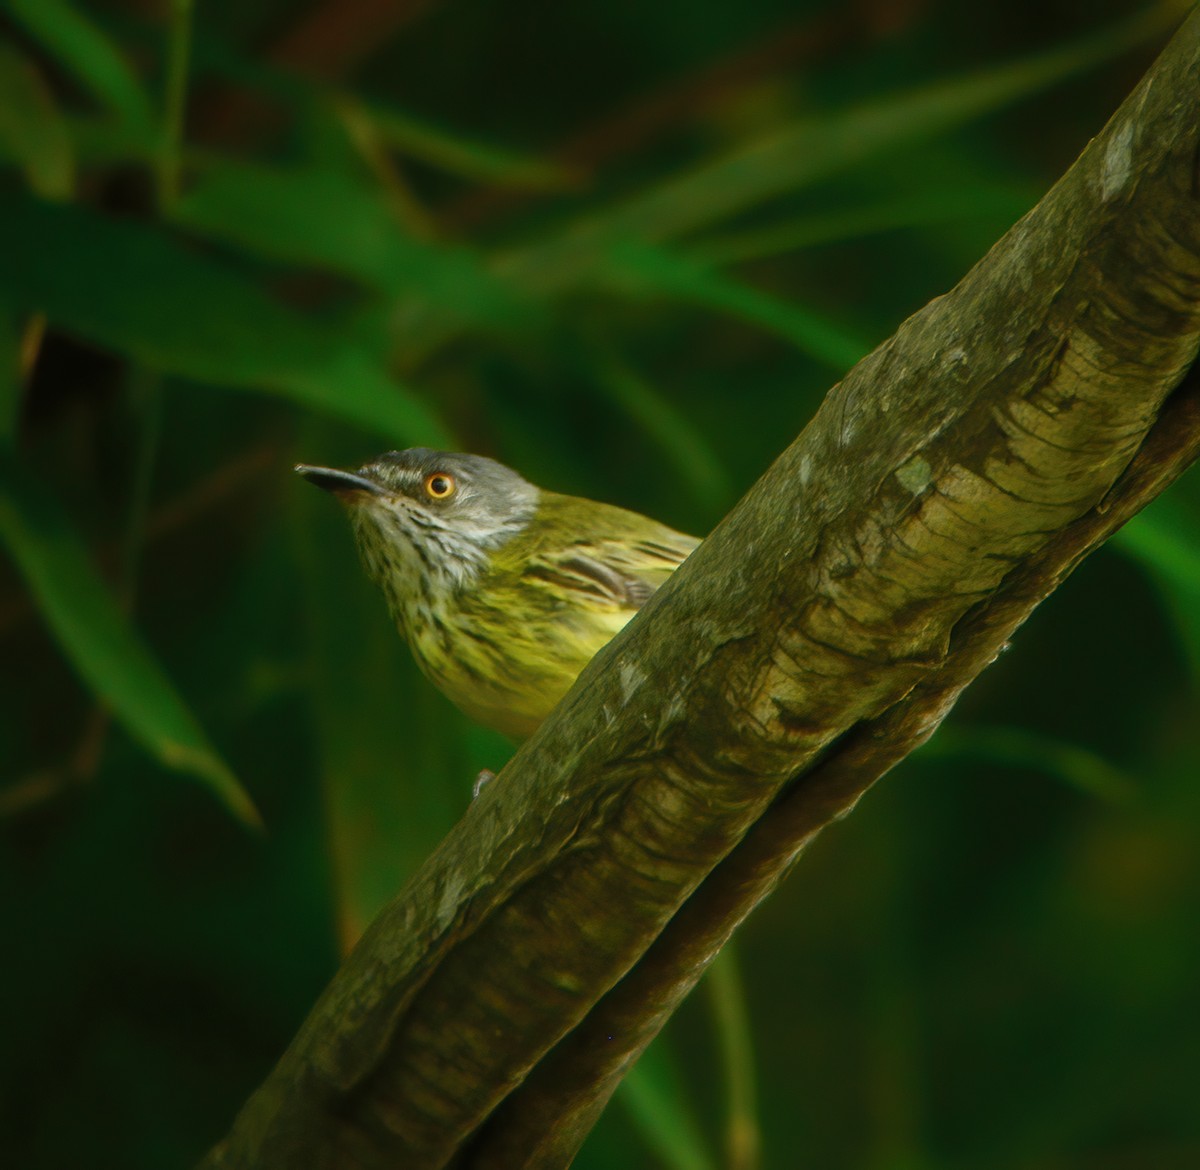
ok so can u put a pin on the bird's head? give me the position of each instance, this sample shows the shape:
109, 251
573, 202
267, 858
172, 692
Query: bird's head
428, 520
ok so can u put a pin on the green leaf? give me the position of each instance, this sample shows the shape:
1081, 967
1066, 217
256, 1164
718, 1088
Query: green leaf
98, 139
131, 288
86, 54
632, 268
451, 151
1168, 548
459, 155
1162, 540
735, 1046
803, 153
799, 155
95, 636
327, 219
690, 453
1020, 748
10, 377
32, 132
921, 209
652, 1092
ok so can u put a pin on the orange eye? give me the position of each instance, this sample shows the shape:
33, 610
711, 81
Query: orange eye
439, 485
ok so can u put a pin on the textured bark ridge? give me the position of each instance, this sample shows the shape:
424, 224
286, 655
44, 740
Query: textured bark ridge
948, 484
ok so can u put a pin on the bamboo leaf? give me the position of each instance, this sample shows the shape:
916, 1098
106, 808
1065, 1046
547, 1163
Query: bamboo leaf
99, 139
921, 209
1021, 748
328, 220
130, 288
10, 377
86, 53
735, 1046
1153, 539
654, 1097
95, 636
632, 268
812, 149
460, 155
1161, 541
692, 456
452, 151
32, 132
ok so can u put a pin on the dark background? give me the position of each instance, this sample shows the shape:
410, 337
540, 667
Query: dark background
624, 247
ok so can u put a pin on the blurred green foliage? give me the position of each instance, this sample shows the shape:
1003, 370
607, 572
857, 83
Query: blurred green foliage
625, 248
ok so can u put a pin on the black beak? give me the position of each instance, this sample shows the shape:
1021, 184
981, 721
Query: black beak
338, 482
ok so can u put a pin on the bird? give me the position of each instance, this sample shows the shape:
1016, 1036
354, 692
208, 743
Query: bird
503, 591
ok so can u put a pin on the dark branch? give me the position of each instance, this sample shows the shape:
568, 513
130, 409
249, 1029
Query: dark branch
944, 488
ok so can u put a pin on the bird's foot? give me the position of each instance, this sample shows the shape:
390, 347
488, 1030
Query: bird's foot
484, 776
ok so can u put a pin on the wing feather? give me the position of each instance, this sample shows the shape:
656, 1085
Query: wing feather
610, 573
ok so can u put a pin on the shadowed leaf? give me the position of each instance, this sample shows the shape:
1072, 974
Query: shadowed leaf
735, 1047
130, 288
807, 151
10, 376
635, 268
95, 636
1162, 540
328, 220
86, 53
692, 456
459, 155
658, 1105
32, 133
1020, 748
924, 208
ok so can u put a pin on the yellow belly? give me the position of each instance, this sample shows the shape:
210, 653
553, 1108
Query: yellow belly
512, 684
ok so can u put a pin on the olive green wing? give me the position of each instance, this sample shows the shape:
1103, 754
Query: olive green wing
619, 563
587, 555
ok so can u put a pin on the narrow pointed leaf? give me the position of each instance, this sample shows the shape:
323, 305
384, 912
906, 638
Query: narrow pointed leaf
32, 132
684, 279
327, 219
131, 288
1021, 748
921, 209
735, 1047
460, 155
10, 377
691, 454
811, 149
86, 53
94, 635
1161, 540
656, 1103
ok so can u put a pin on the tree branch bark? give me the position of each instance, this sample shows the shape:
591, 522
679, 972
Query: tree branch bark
945, 487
